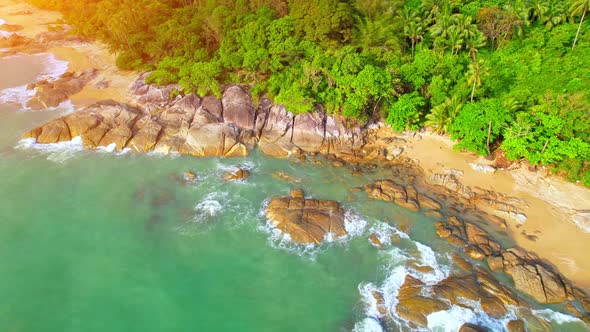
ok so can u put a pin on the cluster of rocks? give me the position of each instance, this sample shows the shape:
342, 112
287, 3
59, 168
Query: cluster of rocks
530, 274
190, 125
405, 196
416, 300
52, 93
306, 220
15, 43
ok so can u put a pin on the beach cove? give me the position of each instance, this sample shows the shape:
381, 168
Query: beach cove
137, 225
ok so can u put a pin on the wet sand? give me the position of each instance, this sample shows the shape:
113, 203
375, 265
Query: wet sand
81, 56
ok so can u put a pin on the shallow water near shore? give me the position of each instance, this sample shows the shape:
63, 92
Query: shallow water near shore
100, 241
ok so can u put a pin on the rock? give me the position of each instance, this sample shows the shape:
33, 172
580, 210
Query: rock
468, 327
474, 252
146, 136
236, 175
482, 168
380, 301
462, 263
390, 191
308, 131
495, 263
448, 181
103, 84
213, 105
393, 152
582, 219
516, 325
416, 309
375, 241
52, 93
306, 220
238, 108
118, 136
296, 193
190, 176
533, 278
214, 139
428, 203
54, 131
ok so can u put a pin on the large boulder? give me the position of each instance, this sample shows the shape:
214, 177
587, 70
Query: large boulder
306, 220
146, 136
238, 108
308, 131
213, 139
276, 129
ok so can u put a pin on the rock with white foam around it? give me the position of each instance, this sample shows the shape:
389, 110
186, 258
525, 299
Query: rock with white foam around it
306, 220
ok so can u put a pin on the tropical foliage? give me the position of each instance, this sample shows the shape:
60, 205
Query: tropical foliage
494, 74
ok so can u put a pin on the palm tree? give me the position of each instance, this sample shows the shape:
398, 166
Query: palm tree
477, 69
474, 42
441, 116
556, 14
577, 7
539, 8
455, 40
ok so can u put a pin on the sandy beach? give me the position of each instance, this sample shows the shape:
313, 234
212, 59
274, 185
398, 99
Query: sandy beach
80, 56
548, 202
549, 230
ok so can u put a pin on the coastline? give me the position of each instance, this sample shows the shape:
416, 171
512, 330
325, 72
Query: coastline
547, 201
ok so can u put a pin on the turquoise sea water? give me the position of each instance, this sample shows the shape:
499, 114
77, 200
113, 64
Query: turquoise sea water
98, 241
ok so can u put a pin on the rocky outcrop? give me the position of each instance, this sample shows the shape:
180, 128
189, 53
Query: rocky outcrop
167, 121
405, 196
306, 220
52, 93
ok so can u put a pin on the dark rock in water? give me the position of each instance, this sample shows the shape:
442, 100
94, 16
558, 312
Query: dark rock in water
52, 93
516, 326
236, 175
162, 198
468, 327
306, 220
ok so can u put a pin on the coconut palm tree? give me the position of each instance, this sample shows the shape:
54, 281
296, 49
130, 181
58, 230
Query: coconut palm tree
577, 7
477, 69
441, 116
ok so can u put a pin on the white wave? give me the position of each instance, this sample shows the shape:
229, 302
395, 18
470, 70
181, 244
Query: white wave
428, 258
210, 205
2, 21
18, 95
246, 165
5, 34
452, 319
112, 148
56, 152
54, 68
556, 317
368, 324
385, 232
354, 224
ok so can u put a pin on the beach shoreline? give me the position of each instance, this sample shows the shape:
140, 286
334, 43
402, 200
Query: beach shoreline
548, 202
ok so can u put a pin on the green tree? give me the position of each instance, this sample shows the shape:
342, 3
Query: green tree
406, 112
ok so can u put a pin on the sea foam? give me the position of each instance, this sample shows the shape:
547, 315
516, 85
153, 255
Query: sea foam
20, 95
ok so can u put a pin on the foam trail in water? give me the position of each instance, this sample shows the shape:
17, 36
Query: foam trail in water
428, 258
368, 324
53, 70
556, 317
57, 152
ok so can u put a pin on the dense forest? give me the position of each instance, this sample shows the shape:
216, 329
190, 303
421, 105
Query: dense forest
501, 77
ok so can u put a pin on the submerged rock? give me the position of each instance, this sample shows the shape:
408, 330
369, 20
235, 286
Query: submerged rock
306, 220
236, 175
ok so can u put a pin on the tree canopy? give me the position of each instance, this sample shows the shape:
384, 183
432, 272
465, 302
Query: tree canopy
494, 74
